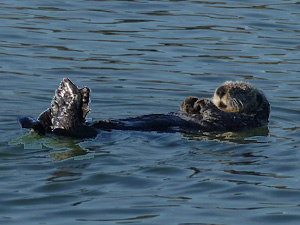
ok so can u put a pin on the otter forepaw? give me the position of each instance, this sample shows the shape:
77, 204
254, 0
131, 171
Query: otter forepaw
188, 105
203, 104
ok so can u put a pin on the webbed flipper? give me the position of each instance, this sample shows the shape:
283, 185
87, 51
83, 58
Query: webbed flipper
45, 120
85, 99
69, 106
66, 116
69, 109
66, 112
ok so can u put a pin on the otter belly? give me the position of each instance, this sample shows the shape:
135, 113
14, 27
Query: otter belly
153, 122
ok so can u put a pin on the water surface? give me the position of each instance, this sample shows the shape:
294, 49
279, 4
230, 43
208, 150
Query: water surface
141, 57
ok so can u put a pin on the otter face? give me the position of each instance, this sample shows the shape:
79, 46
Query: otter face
238, 97
223, 99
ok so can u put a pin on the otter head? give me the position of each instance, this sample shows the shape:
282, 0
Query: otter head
238, 97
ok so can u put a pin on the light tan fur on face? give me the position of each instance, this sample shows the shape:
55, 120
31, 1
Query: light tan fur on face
237, 96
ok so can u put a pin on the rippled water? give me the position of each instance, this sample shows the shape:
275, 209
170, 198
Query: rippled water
143, 57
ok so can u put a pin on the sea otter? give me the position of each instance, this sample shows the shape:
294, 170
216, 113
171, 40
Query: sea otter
235, 106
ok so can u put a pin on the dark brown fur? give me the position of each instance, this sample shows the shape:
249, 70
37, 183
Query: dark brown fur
236, 106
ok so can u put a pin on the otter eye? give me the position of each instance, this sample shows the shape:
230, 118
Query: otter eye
221, 91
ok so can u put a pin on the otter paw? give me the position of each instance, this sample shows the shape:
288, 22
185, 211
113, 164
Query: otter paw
189, 106
199, 105
203, 104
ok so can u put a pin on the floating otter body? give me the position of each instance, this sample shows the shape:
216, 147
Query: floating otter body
235, 106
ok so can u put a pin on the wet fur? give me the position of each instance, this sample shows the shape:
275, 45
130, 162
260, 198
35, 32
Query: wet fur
240, 97
235, 106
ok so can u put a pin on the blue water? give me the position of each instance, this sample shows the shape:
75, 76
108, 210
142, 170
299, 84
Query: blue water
141, 57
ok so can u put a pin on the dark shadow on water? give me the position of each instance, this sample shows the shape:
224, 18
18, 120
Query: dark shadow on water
241, 137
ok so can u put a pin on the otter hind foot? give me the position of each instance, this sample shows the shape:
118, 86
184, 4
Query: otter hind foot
69, 106
66, 116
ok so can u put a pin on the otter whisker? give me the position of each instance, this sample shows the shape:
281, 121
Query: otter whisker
234, 103
239, 104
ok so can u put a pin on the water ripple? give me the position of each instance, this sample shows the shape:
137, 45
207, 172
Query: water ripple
141, 57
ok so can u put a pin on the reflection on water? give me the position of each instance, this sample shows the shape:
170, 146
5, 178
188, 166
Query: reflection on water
62, 147
142, 57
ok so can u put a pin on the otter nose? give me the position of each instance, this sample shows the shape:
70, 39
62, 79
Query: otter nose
221, 91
